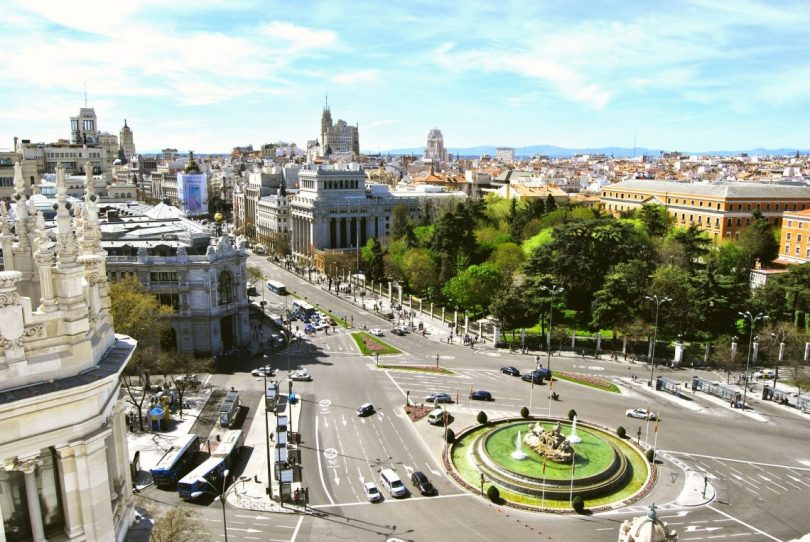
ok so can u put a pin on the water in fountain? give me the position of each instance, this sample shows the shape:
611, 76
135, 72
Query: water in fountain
573, 438
518, 453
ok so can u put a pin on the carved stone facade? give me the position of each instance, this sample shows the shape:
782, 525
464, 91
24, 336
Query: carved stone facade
64, 464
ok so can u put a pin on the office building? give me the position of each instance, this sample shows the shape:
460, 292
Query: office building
434, 149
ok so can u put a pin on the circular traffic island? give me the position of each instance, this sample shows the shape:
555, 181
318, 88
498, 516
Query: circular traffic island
544, 463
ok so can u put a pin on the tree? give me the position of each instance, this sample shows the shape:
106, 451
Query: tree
617, 304
474, 287
537, 207
797, 287
514, 309
695, 243
507, 259
420, 270
373, 254
177, 524
400, 221
180, 368
551, 204
254, 275
759, 241
656, 219
676, 316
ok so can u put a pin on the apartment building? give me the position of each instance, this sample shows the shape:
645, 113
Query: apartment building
795, 242
722, 209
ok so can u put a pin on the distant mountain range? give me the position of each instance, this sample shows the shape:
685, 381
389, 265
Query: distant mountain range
618, 152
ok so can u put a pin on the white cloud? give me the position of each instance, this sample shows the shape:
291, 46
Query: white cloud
299, 38
355, 77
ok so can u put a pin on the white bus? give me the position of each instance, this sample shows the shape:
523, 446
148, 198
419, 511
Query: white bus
229, 447
303, 307
276, 287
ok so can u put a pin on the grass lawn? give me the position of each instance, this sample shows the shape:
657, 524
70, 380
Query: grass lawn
370, 345
417, 369
586, 380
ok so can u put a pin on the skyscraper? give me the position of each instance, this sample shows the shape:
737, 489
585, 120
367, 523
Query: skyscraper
126, 140
434, 150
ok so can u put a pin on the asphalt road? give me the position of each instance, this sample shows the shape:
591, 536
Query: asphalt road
760, 470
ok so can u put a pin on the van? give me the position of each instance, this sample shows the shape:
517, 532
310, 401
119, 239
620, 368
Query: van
390, 481
437, 416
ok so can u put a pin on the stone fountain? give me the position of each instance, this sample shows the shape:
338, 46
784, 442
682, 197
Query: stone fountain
573, 438
518, 453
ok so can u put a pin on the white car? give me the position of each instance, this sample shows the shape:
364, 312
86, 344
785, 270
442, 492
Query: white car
765, 373
300, 375
263, 371
640, 413
376, 331
372, 493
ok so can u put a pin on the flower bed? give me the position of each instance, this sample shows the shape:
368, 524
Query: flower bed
369, 345
587, 380
418, 368
417, 412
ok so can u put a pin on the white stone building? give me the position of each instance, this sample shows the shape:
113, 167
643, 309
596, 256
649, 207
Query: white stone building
64, 464
434, 149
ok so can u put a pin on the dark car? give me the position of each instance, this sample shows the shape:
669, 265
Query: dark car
440, 397
366, 409
532, 377
481, 395
542, 371
397, 331
422, 483
510, 371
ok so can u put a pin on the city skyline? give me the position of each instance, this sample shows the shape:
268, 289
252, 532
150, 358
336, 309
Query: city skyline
210, 75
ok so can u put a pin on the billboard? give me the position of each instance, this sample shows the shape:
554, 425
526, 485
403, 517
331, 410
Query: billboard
192, 191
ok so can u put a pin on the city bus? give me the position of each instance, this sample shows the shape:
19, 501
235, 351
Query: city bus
229, 410
303, 308
276, 287
207, 477
229, 447
178, 461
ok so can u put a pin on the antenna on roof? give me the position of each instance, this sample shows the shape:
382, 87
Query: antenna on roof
85, 95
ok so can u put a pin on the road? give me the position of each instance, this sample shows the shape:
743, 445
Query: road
760, 470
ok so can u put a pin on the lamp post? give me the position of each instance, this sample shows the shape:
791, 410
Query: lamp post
553, 291
267, 439
657, 300
752, 321
222, 495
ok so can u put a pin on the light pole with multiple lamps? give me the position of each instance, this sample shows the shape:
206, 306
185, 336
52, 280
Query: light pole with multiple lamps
553, 291
222, 495
657, 300
752, 322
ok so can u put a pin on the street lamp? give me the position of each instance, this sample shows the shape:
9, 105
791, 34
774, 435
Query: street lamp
222, 495
752, 321
657, 300
553, 291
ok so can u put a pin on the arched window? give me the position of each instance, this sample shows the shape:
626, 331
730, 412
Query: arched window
225, 288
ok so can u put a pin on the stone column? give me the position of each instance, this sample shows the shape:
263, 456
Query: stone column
466, 324
28, 467
93, 487
71, 503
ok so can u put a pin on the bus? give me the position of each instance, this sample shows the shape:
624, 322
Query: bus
229, 447
229, 410
178, 461
206, 478
303, 308
276, 287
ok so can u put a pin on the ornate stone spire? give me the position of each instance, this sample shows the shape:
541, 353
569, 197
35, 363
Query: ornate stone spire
66, 247
21, 207
89, 227
44, 258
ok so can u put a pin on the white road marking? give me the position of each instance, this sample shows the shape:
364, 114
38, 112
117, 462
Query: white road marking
763, 533
320, 465
395, 501
752, 463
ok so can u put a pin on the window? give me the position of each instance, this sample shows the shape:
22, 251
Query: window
225, 288
788, 236
799, 238
163, 276
787, 248
798, 250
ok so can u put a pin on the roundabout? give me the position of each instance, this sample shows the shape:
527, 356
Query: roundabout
543, 464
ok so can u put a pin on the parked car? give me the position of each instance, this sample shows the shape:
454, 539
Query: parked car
397, 331
512, 371
376, 331
191, 380
300, 375
309, 328
422, 483
640, 413
439, 397
366, 409
481, 395
372, 493
765, 373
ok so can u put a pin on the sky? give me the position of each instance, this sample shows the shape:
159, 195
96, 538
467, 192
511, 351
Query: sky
208, 75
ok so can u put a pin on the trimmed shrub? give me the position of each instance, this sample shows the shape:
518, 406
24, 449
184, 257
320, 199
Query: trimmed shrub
493, 494
524, 412
650, 454
578, 503
481, 418
449, 436
621, 431
571, 414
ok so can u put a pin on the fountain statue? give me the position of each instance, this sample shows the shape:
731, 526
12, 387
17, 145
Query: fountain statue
518, 453
551, 444
573, 438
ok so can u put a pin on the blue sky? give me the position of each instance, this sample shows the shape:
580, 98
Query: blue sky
211, 74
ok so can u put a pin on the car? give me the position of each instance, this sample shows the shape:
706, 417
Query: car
366, 409
263, 371
309, 328
439, 397
397, 331
320, 326
512, 371
376, 331
190, 380
301, 375
481, 395
532, 377
372, 493
422, 483
765, 373
640, 413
